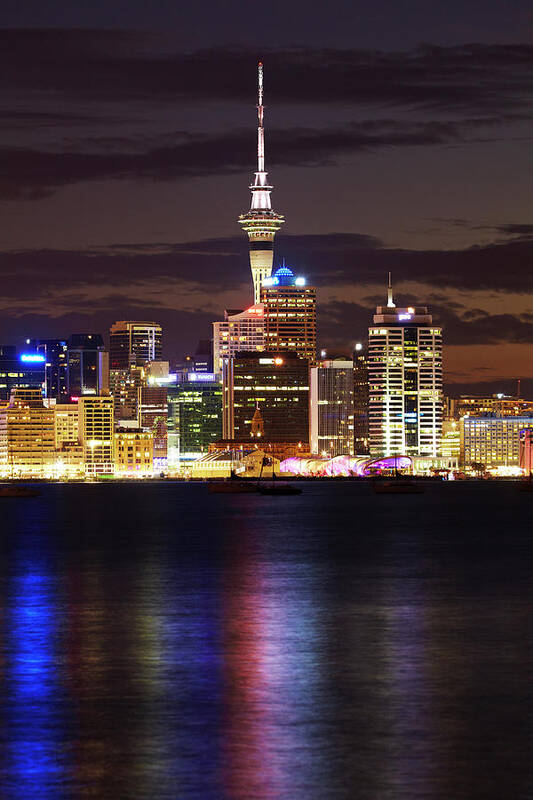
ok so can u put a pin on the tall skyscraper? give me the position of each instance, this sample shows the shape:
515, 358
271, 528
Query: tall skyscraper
55, 353
132, 344
88, 365
332, 407
276, 384
289, 314
240, 331
194, 416
96, 434
360, 410
20, 370
261, 223
405, 381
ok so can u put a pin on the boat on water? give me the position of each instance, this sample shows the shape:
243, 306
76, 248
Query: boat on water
279, 488
18, 491
232, 487
398, 486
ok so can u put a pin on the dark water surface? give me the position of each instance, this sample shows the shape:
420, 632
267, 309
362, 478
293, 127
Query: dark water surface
160, 642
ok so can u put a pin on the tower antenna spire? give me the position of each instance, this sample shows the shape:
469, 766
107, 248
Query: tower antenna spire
260, 127
390, 302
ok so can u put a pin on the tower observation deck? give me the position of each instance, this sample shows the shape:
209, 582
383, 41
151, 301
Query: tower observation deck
261, 223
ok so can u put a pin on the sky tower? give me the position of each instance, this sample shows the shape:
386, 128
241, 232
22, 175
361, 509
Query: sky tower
261, 223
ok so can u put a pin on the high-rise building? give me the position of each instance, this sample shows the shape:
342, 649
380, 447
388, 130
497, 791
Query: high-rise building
153, 418
241, 331
27, 442
405, 381
261, 223
289, 314
55, 354
20, 370
87, 365
493, 441
96, 434
332, 407
194, 416
133, 344
360, 409
277, 384
125, 385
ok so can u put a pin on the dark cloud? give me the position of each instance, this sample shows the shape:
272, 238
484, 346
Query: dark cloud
222, 264
121, 64
30, 172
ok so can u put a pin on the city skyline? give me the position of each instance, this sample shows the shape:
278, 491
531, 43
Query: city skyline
410, 161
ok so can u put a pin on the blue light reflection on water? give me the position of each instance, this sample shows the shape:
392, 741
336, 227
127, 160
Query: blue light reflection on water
33, 709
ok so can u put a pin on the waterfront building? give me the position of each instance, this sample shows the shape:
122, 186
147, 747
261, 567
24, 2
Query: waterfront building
87, 365
526, 451
289, 314
27, 441
493, 441
20, 369
66, 423
133, 452
133, 344
405, 381
261, 223
56, 372
279, 384
153, 418
96, 423
194, 416
239, 332
221, 463
451, 439
332, 407
475, 405
360, 411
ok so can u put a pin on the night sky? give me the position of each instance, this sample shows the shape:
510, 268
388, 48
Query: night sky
399, 137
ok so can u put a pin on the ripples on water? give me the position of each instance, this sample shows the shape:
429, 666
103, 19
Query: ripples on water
160, 642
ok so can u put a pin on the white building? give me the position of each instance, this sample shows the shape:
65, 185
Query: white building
332, 408
405, 381
241, 331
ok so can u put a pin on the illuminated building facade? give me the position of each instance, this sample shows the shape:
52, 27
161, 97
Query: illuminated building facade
96, 420
332, 408
493, 441
153, 418
289, 314
451, 439
194, 416
27, 441
133, 344
261, 223
56, 373
405, 382
526, 451
500, 404
279, 384
360, 409
66, 423
87, 365
133, 452
241, 331
22, 370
